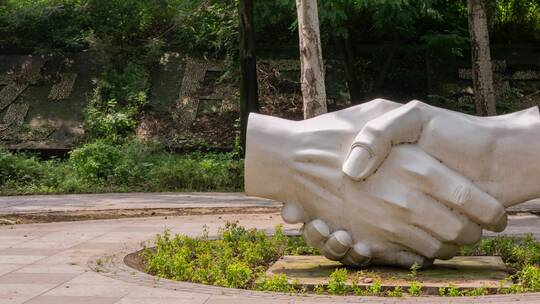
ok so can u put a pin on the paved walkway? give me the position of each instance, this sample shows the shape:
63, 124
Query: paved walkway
56, 263
110, 201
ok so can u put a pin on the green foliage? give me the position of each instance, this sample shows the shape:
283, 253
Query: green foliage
277, 283
319, 289
517, 20
476, 292
207, 26
44, 26
415, 289
96, 161
337, 285
397, 292
128, 28
375, 288
529, 278
413, 270
117, 100
134, 165
453, 291
442, 291
235, 260
26, 174
515, 251
297, 246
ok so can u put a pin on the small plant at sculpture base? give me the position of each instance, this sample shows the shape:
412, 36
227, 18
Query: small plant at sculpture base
397, 292
415, 289
277, 283
337, 285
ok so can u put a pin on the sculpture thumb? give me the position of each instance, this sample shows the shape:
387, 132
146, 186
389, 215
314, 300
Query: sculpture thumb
356, 166
366, 155
374, 142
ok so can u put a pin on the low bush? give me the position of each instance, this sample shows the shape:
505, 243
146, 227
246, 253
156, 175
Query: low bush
101, 166
518, 252
337, 285
237, 259
277, 283
529, 278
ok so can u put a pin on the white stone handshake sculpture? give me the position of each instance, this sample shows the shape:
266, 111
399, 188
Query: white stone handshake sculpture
386, 183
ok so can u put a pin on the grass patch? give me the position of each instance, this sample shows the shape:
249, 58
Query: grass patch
240, 257
134, 165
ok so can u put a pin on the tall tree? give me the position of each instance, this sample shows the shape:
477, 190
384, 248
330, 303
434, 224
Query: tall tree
249, 99
311, 61
482, 72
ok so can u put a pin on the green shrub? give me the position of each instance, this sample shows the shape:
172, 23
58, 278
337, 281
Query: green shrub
397, 292
375, 288
117, 100
277, 283
134, 165
415, 289
319, 289
97, 161
476, 292
235, 260
297, 246
197, 171
529, 277
238, 275
337, 285
515, 251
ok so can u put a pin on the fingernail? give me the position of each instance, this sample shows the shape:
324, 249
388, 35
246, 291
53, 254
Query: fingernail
356, 163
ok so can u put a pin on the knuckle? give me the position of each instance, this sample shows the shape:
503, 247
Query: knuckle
374, 130
461, 194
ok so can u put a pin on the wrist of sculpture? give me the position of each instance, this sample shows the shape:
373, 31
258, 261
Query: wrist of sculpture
516, 156
266, 162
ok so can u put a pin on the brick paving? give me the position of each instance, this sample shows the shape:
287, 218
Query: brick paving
56, 263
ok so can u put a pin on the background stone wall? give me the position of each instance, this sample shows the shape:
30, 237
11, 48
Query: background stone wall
192, 105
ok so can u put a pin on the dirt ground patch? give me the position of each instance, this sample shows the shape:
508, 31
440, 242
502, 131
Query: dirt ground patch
84, 215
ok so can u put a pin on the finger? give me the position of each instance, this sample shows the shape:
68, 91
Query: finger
451, 188
444, 224
337, 245
358, 256
372, 145
415, 239
405, 259
293, 213
315, 233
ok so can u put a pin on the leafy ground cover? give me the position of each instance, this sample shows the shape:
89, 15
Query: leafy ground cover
239, 258
134, 165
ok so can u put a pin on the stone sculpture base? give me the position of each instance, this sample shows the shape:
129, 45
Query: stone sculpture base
462, 272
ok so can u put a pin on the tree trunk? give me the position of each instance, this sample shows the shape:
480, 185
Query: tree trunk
347, 51
249, 99
311, 62
482, 73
